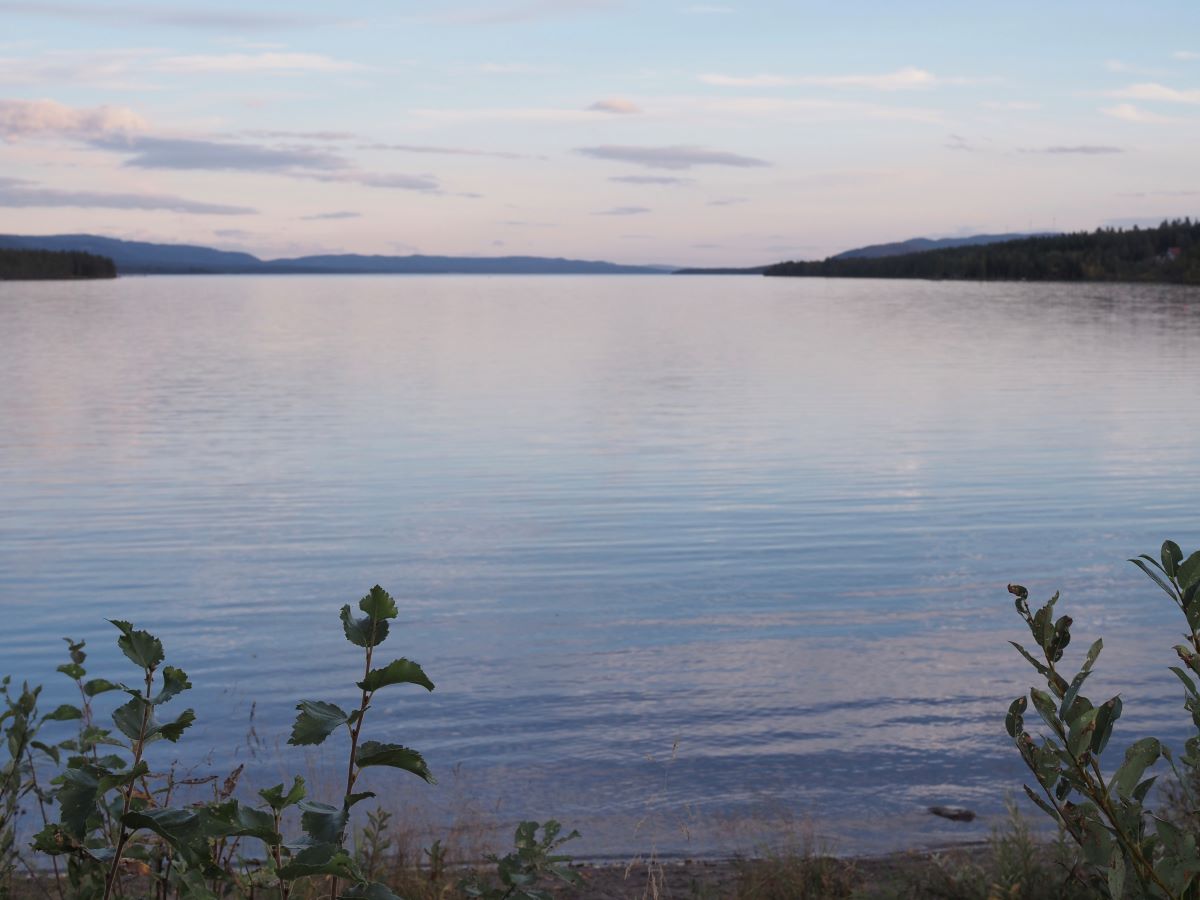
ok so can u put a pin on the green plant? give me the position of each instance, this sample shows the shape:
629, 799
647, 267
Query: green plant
117, 826
1127, 851
531, 861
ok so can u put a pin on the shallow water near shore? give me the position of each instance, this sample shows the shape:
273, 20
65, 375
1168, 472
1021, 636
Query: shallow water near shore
692, 560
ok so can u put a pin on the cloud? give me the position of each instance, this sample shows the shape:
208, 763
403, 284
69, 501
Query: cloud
1117, 65
1077, 149
761, 80
530, 11
190, 154
624, 211
253, 63
1129, 113
958, 142
1159, 92
1016, 105
677, 157
110, 69
506, 114
236, 233
23, 194
157, 14
40, 118
513, 69
707, 9
615, 105
729, 201
331, 216
907, 78
1185, 55
423, 183
651, 179
304, 135
448, 151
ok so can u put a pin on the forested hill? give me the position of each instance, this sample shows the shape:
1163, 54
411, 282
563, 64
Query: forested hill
1168, 253
45, 265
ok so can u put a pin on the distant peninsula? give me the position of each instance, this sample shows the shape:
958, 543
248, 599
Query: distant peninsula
50, 265
1168, 253
142, 258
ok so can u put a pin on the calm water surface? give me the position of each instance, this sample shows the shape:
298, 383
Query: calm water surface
690, 559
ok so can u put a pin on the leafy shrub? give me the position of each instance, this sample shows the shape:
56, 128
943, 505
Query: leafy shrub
1127, 850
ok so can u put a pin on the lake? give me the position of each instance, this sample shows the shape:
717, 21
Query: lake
695, 562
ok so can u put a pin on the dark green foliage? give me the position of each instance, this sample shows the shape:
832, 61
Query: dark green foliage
531, 862
113, 812
1127, 850
39, 265
1168, 253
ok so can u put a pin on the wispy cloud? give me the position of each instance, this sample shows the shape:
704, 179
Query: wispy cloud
1128, 112
615, 105
729, 201
1117, 65
1014, 105
652, 179
907, 78
677, 157
1075, 149
186, 153
24, 194
623, 211
513, 68
189, 154
505, 114
331, 216
1159, 92
253, 63
435, 150
707, 9
304, 135
30, 118
958, 142
1185, 55
158, 14
529, 11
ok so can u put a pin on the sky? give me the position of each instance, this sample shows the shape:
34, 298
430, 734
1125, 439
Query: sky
674, 133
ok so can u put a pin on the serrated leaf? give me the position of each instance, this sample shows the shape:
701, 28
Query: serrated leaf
317, 720
135, 715
73, 671
354, 799
322, 822
364, 632
1138, 758
77, 796
175, 681
320, 859
64, 713
400, 671
100, 686
141, 647
183, 829
280, 801
378, 604
232, 819
50, 751
374, 753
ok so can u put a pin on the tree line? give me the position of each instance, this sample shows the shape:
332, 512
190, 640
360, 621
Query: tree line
37, 265
1167, 253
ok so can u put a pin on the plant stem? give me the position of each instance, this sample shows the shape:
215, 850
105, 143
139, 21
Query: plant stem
127, 794
351, 770
45, 819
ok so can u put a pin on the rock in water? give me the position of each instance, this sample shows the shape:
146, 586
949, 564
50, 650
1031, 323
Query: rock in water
953, 813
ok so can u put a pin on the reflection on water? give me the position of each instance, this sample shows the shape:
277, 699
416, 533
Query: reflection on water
683, 552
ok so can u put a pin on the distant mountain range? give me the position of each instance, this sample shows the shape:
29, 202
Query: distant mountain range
920, 245
877, 251
141, 258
